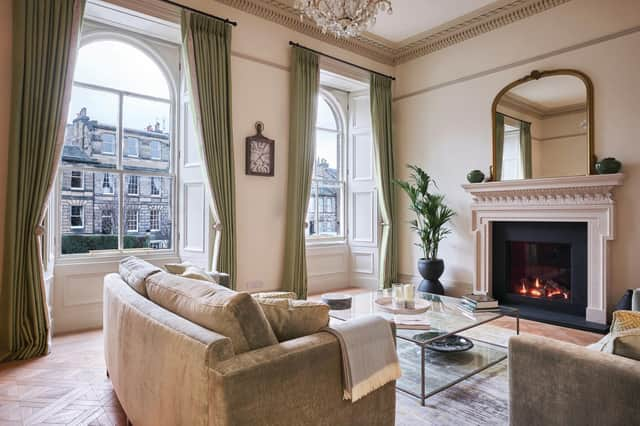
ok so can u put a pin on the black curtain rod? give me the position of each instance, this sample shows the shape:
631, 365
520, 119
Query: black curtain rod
514, 118
291, 43
225, 20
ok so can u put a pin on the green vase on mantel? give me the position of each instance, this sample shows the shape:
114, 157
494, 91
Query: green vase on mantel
475, 176
608, 165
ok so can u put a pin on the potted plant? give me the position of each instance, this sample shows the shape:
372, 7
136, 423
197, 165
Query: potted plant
432, 217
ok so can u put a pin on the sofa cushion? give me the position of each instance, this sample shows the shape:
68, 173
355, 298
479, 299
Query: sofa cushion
290, 319
275, 295
189, 270
134, 271
232, 314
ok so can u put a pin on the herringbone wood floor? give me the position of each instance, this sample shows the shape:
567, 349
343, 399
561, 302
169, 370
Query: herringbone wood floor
69, 386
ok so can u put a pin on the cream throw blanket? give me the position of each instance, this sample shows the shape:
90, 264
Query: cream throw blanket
369, 358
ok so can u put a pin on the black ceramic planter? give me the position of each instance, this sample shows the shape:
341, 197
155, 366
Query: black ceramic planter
431, 270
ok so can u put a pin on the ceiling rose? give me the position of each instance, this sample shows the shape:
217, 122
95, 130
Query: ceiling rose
343, 18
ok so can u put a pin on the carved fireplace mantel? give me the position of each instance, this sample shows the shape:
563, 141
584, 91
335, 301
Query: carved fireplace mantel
565, 199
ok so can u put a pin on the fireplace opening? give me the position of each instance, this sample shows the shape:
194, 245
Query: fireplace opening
541, 268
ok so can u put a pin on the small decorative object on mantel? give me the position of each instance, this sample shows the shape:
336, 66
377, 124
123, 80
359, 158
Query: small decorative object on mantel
608, 165
337, 301
475, 176
260, 153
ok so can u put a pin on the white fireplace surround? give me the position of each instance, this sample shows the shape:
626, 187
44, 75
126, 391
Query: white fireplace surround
565, 199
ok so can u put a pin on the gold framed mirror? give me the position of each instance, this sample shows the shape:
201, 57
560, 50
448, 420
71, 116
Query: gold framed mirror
543, 126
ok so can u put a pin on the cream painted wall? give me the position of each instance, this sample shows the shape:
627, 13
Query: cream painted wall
446, 128
5, 109
561, 145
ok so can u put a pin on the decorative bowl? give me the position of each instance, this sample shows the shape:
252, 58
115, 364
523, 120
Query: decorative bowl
608, 165
475, 176
385, 304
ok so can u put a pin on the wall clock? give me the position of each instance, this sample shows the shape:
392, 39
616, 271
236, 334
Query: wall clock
259, 153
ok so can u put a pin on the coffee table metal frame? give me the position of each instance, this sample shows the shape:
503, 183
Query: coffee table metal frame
491, 316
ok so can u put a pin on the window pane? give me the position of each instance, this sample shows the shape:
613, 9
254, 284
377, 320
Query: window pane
328, 210
326, 119
326, 166
147, 134
148, 219
89, 218
120, 66
90, 133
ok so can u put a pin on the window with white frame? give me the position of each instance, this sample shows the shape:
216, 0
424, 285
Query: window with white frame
155, 186
154, 220
133, 185
132, 220
108, 143
132, 147
511, 157
77, 180
77, 217
107, 184
325, 212
156, 150
117, 110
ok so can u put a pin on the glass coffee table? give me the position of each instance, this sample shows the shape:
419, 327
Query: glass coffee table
426, 372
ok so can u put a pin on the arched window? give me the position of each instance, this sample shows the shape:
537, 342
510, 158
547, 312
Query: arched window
120, 119
325, 213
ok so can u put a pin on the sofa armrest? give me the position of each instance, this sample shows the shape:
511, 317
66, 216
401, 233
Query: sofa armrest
558, 383
296, 382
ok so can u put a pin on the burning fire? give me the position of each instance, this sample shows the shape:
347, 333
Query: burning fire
541, 288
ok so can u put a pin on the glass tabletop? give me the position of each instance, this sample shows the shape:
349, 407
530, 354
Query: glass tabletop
443, 315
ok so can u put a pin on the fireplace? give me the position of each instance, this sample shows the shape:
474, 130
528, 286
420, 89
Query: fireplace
541, 268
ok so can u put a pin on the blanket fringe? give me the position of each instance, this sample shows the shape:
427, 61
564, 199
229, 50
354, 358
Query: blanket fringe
388, 374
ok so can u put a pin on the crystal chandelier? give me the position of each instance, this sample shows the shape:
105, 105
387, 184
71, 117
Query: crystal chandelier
344, 18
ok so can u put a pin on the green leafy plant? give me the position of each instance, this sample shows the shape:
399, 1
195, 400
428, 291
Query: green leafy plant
432, 214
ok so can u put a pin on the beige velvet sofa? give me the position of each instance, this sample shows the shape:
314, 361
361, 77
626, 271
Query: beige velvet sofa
167, 370
557, 383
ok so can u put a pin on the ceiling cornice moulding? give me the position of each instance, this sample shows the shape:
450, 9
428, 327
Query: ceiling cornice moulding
380, 50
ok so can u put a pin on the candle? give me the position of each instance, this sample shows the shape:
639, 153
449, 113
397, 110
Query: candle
409, 296
397, 296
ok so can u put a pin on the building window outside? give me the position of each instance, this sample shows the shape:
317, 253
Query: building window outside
133, 188
156, 150
107, 222
108, 143
76, 180
154, 220
132, 220
132, 147
155, 187
324, 215
77, 217
107, 184
117, 114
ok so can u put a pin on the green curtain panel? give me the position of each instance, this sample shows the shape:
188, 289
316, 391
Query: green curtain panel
45, 42
380, 98
305, 85
525, 148
207, 47
499, 146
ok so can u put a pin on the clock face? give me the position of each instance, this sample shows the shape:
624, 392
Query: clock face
260, 154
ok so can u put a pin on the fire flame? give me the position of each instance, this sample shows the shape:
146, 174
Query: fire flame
523, 289
541, 290
536, 292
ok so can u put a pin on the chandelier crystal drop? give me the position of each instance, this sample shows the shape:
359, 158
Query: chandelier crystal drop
343, 18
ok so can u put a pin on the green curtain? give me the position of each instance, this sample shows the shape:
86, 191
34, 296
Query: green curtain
45, 41
525, 148
499, 146
303, 105
380, 98
207, 47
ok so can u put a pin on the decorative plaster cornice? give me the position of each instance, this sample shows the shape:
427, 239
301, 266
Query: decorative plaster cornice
385, 52
592, 189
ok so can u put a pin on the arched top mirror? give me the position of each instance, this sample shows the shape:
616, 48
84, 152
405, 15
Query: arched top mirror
543, 126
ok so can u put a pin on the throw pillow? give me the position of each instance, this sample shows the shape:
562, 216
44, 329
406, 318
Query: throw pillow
290, 319
275, 295
635, 300
177, 268
134, 271
625, 320
624, 304
189, 270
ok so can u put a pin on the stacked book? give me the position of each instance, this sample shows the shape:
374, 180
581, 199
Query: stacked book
474, 303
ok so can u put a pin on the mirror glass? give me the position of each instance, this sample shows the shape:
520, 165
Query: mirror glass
542, 128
